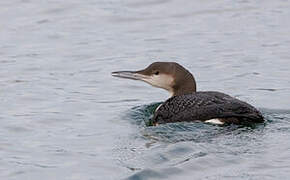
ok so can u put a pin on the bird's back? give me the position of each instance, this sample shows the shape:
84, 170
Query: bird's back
207, 105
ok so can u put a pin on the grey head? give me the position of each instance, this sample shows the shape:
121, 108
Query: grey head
167, 75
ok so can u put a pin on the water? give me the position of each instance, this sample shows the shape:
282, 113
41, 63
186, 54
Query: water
64, 117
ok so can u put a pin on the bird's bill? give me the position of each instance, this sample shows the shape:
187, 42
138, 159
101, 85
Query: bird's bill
135, 75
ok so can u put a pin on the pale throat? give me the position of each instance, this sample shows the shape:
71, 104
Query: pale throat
163, 81
167, 82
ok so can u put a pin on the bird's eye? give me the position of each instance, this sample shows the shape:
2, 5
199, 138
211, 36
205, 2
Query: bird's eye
156, 73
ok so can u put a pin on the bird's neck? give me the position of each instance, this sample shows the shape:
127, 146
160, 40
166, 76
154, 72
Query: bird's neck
182, 91
186, 86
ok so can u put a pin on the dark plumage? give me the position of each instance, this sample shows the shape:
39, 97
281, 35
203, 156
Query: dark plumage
202, 106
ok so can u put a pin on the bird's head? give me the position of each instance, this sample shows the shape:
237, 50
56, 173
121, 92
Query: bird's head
166, 75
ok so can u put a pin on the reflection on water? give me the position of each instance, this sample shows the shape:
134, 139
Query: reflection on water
143, 114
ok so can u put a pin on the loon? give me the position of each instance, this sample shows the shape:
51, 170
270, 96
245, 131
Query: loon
188, 105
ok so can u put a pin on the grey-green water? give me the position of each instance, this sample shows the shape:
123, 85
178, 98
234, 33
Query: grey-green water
64, 117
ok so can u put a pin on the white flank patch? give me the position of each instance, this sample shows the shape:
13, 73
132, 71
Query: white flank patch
215, 121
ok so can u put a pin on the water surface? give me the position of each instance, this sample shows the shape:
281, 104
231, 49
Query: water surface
64, 117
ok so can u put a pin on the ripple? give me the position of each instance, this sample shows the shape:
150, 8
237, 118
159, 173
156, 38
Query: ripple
147, 3
265, 89
119, 101
153, 174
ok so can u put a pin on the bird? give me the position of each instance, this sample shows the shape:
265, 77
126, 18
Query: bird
185, 103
